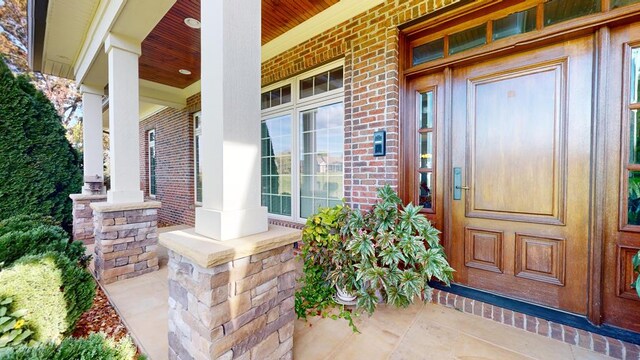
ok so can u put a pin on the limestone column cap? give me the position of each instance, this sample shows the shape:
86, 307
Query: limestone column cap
87, 197
206, 252
111, 207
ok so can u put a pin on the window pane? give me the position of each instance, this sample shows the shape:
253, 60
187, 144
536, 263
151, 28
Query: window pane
620, 3
152, 163
321, 83
426, 150
286, 94
517, 23
265, 100
306, 87
426, 110
429, 51
335, 78
635, 75
321, 157
467, 39
424, 179
198, 169
556, 11
634, 137
276, 164
633, 214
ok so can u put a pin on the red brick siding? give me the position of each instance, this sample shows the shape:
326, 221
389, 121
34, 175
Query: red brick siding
369, 44
174, 164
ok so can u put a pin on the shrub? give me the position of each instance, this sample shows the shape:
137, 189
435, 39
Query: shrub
54, 290
95, 347
38, 240
35, 284
13, 328
25, 222
39, 168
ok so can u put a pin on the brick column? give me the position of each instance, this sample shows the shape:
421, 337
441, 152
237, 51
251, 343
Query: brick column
239, 306
83, 216
126, 240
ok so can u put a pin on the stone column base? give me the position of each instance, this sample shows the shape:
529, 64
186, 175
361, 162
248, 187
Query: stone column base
231, 299
83, 216
126, 240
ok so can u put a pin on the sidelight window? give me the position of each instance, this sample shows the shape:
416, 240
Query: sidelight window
426, 113
197, 132
151, 136
633, 156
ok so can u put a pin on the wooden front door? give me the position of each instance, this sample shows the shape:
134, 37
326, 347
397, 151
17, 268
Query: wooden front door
621, 213
520, 165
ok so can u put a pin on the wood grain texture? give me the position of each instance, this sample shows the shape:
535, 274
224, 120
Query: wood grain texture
483, 249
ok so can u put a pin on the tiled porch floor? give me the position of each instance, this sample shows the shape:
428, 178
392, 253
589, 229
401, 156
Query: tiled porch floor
423, 331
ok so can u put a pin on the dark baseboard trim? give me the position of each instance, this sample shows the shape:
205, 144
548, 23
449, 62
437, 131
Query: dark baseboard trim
554, 315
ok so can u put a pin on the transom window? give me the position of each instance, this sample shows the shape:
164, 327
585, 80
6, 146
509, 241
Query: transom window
303, 145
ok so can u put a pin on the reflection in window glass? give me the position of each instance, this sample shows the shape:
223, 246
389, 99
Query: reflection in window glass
152, 162
633, 204
197, 132
634, 137
426, 150
467, 39
620, 3
635, 75
276, 165
556, 11
321, 83
425, 197
276, 97
429, 51
321, 158
514, 24
335, 78
426, 110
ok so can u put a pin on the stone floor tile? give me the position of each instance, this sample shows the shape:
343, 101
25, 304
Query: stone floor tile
584, 354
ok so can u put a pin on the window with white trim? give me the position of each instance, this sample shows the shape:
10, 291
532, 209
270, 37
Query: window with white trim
151, 143
197, 168
303, 143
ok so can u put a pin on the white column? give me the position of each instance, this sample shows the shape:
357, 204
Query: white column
124, 151
92, 139
230, 74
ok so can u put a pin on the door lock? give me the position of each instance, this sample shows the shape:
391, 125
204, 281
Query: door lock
457, 184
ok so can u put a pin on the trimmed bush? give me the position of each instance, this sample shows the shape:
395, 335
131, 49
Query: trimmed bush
38, 240
39, 168
54, 290
35, 284
25, 222
95, 347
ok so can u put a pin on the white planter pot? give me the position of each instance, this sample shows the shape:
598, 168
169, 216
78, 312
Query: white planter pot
345, 298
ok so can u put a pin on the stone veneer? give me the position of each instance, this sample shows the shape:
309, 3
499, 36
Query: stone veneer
232, 299
83, 216
126, 240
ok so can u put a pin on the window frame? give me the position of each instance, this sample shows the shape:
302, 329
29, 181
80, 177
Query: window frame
152, 144
294, 108
417, 131
197, 132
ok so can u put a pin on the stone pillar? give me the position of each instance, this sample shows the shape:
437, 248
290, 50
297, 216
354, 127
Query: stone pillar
126, 240
83, 216
230, 140
92, 140
232, 299
124, 150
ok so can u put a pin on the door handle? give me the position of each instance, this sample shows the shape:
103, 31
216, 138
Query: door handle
463, 187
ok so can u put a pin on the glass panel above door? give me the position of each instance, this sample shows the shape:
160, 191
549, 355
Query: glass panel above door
620, 3
514, 24
429, 51
467, 39
556, 11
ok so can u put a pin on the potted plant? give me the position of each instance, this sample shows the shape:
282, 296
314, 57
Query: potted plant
397, 252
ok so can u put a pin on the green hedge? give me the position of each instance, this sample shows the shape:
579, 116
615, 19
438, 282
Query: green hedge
38, 240
53, 289
39, 168
25, 222
95, 347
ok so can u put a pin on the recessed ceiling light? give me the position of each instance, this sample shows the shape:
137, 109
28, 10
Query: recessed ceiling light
184, 72
192, 23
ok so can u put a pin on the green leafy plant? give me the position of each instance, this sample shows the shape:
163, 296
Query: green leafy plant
13, 328
397, 253
94, 347
635, 262
326, 264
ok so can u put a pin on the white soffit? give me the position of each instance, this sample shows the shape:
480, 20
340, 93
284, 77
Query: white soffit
330, 17
67, 24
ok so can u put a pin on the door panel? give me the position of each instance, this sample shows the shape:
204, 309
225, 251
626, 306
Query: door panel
521, 134
621, 303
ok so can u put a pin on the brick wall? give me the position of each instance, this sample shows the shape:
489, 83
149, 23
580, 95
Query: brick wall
369, 45
174, 164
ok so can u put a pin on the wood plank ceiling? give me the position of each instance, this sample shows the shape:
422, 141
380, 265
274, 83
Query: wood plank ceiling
172, 45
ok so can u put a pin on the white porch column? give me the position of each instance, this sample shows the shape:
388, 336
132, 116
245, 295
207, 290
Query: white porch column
92, 140
230, 74
124, 149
